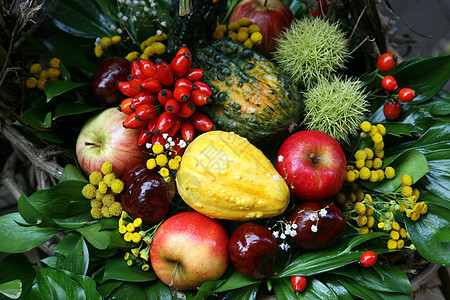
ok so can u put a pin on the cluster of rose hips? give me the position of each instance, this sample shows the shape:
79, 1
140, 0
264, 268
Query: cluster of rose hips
175, 87
386, 62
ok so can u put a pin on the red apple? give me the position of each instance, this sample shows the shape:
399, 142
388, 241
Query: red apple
103, 138
253, 248
272, 16
104, 81
317, 224
189, 249
313, 163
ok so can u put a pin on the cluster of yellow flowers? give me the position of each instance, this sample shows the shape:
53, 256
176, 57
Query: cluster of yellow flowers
102, 189
241, 31
133, 232
150, 47
101, 44
357, 206
409, 202
368, 163
163, 161
41, 75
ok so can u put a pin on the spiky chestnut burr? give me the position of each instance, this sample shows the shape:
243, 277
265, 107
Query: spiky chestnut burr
336, 107
311, 49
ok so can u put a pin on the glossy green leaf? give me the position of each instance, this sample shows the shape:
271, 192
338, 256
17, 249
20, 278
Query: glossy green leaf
95, 236
11, 289
235, 281
431, 233
129, 291
426, 76
17, 266
77, 262
315, 290
82, 18
36, 114
108, 287
361, 238
437, 180
19, 238
158, 290
320, 261
55, 284
365, 293
410, 162
53, 88
207, 288
67, 108
244, 293
117, 268
31, 215
390, 279
71, 172
335, 286
63, 200
283, 289
89, 286
438, 106
56, 261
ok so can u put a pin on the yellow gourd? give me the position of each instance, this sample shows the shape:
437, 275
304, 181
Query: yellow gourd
223, 176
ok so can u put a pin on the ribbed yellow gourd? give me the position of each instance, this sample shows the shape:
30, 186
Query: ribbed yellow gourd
223, 176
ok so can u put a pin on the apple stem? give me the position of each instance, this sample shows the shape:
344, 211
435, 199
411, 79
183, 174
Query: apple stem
92, 144
265, 3
314, 159
174, 274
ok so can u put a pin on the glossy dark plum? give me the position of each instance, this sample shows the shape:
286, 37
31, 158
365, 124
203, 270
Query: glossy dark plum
104, 82
317, 228
146, 194
252, 249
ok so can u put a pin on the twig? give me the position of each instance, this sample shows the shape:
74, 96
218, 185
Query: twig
8, 176
403, 22
360, 44
356, 25
37, 158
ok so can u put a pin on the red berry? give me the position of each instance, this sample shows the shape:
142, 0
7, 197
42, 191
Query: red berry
165, 121
125, 106
172, 106
147, 67
145, 112
194, 74
136, 69
187, 131
126, 88
199, 98
186, 83
184, 49
144, 137
176, 124
392, 110
164, 95
164, 72
181, 64
368, 259
151, 126
406, 95
132, 122
141, 99
299, 283
181, 94
186, 109
386, 62
150, 85
199, 85
202, 122
389, 83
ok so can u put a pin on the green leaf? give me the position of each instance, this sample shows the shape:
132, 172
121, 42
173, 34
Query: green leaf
67, 108
17, 266
438, 105
335, 286
55, 284
410, 162
316, 262
361, 238
425, 76
19, 238
77, 261
11, 289
53, 88
437, 180
56, 261
317, 290
82, 18
235, 281
31, 215
71, 172
283, 289
117, 268
390, 279
431, 233
89, 286
108, 287
244, 293
37, 113
365, 293
159, 290
95, 236
129, 291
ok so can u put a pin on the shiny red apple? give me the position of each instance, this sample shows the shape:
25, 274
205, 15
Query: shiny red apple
317, 224
189, 249
272, 16
103, 138
252, 249
147, 195
314, 164
104, 81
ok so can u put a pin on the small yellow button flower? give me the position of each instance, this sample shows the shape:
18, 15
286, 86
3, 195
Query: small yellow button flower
389, 172
35, 68
400, 244
116, 39
164, 172
41, 83
88, 191
244, 21
137, 222
380, 225
233, 37
234, 26
157, 148
254, 28
350, 176
242, 36
364, 230
151, 163
115, 208
248, 43
54, 62
379, 146
380, 174
96, 203
352, 197
98, 51
173, 164
381, 129
406, 179
161, 160
366, 126
54, 73
130, 227
340, 197
369, 211
95, 177
222, 28
369, 153
379, 153
102, 187
128, 237
217, 35
107, 167
395, 235
106, 212
145, 267
256, 37
31, 82
407, 191
96, 212
377, 163
117, 186
360, 155
122, 229
136, 238
360, 208
374, 176
360, 163
392, 244
377, 138
44, 74
364, 173
403, 233
423, 208
361, 221
415, 215
370, 221
373, 130
359, 195
368, 163
109, 178
368, 198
